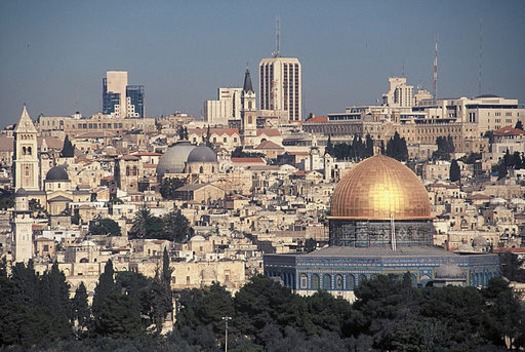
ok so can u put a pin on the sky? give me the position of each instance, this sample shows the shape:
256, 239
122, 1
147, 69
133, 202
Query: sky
54, 53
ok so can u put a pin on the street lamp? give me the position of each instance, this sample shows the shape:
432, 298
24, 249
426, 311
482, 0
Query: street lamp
226, 318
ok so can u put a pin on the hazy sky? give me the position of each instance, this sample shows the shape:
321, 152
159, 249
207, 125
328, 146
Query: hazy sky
53, 54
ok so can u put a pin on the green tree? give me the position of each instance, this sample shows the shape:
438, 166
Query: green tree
454, 172
68, 149
7, 200
146, 225
115, 318
329, 149
168, 186
81, 310
162, 296
176, 227
106, 227
397, 148
105, 287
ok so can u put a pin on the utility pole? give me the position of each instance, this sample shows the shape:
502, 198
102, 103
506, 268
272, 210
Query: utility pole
226, 318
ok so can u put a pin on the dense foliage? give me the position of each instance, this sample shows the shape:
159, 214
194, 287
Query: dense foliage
356, 150
445, 148
168, 186
390, 314
105, 226
173, 226
396, 148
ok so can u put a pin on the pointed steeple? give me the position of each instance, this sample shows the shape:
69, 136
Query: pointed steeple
25, 124
247, 82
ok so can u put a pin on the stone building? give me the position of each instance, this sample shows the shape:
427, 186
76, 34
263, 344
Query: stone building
380, 223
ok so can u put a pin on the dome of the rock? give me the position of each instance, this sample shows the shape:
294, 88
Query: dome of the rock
380, 188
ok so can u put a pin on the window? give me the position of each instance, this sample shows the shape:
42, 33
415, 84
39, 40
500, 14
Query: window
304, 281
327, 282
315, 282
339, 282
350, 282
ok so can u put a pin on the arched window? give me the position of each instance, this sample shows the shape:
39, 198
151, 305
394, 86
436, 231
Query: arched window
362, 278
304, 281
29, 151
350, 282
201, 170
315, 282
24, 152
327, 282
339, 282
134, 171
127, 170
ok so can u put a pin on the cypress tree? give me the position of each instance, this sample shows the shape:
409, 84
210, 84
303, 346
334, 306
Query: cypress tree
68, 149
454, 173
105, 287
81, 311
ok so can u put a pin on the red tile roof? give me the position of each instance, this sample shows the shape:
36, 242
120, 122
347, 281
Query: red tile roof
248, 160
270, 132
317, 119
508, 131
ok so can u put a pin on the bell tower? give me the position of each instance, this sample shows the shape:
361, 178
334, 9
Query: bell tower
25, 154
22, 228
249, 112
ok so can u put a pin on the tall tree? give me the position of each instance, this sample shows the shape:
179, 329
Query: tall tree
81, 310
68, 149
454, 172
105, 287
329, 149
162, 303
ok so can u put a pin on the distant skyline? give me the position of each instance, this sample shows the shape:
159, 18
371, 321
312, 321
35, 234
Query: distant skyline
54, 54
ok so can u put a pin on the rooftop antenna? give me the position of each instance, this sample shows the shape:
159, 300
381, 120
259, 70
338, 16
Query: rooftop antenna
277, 52
480, 56
435, 78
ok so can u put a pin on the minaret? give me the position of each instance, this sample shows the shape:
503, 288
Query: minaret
249, 112
23, 228
25, 154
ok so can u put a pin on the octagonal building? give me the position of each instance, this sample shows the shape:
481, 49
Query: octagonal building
379, 223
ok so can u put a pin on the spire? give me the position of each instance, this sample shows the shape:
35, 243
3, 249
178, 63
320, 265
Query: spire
25, 124
247, 82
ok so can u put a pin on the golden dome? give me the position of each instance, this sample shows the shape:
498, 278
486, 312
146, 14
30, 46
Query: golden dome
380, 188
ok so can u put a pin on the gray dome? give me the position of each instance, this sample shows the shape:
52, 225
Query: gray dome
202, 154
449, 271
57, 173
479, 242
174, 160
21, 192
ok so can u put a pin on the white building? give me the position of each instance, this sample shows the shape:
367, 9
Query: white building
228, 106
280, 83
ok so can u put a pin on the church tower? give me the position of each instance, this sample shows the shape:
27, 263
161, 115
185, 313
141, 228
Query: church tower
25, 161
249, 112
23, 227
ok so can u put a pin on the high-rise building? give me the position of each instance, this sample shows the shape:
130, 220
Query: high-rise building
120, 99
280, 86
399, 93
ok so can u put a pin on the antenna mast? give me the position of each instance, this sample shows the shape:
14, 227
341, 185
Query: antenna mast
435, 79
277, 52
480, 56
